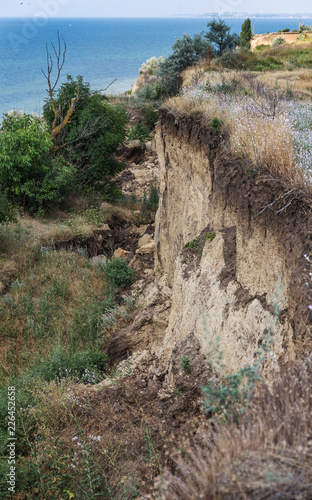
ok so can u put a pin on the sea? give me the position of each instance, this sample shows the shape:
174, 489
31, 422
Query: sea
102, 50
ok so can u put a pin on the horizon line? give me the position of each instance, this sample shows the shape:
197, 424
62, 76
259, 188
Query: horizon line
208, 14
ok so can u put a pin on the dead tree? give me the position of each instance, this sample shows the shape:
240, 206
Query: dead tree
59, 121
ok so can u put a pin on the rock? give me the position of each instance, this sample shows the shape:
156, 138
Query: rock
99, 260
137, 265
146, 238
142, 229
143, 80
148, 248
120, 253
148, 272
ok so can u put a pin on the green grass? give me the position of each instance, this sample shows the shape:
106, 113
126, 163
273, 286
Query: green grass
268, 58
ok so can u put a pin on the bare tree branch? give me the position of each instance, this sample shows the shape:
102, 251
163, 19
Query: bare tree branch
60, 56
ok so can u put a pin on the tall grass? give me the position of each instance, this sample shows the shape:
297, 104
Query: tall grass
265, 454
264, 128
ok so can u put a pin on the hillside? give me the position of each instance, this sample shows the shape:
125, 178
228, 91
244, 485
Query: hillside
156, 333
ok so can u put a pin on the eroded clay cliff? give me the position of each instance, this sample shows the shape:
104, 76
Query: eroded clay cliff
225, 234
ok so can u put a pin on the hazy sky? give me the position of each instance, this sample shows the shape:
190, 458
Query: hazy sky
144, 8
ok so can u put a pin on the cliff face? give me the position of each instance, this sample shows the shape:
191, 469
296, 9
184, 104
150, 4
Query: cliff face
236, 248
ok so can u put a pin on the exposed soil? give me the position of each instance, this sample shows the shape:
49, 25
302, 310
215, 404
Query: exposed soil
262, 200
146, 419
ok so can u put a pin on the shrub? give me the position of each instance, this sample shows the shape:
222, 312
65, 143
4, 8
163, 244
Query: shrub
152, 65
86, 366
210, 236
280, 40
147, 93
248, 61
186, 52
150, 115
192, 245
6, 209
153, 199
304, 27
27, 172
261, 47
94, 133
216, 125
119, 274
185, 363
139, 132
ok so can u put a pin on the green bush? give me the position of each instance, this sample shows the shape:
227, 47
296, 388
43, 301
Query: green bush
147, 93
27, 171
86, 366
186, 52
304, 27
119, 274
248, 61
150, 115
140, 132
192, 245
153, 199
6, 209
216, 125
94, 133
280, 40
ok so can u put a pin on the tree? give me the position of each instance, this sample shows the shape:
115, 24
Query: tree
28, 173
92, 135
246, 33
59, 120
186, 52
304, 27
219, 35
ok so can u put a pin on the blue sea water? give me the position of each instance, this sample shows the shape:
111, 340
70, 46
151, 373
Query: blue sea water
100, 50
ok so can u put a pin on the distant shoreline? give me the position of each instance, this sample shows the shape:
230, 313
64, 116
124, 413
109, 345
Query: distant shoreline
240, 15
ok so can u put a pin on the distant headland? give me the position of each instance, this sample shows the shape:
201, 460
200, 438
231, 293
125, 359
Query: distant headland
302, 15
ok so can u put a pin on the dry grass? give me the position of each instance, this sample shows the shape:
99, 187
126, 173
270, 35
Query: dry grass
298, 81
255, 116
268, 453
111, 212
21, 242
45, 304
8, 273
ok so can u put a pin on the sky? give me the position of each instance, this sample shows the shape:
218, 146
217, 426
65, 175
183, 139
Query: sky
144, 8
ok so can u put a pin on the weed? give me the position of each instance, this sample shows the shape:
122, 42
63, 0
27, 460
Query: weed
177, 392
140, 132
86, 367
210, 236
185, 363
216, 125
119, 274
192, 245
